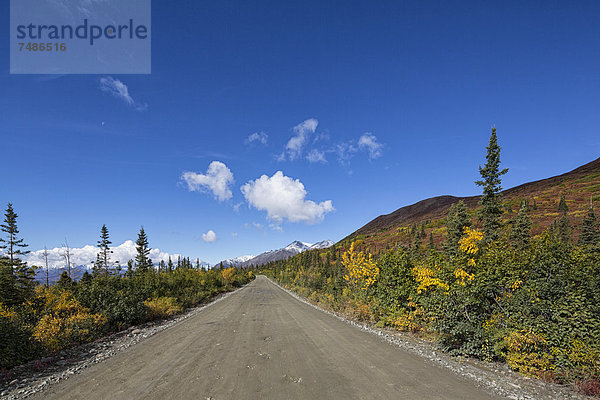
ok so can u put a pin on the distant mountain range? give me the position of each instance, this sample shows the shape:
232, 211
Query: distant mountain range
236, 261
291, 249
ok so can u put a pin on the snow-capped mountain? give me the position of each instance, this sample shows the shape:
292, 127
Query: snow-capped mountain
233, 262
321, 245
297, 247
286, 252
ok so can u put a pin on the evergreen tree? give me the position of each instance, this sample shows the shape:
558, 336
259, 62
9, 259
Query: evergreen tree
142, 259
431, 243
129, 272
86, 278
491, 211
564, 230
103, 257
65, 282
16, 274
458, 218
521, 231
589, 229
562, 205
12, 245
170, 265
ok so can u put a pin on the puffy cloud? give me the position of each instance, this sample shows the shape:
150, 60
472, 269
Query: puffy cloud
210, 236
119, 90
259, 137
217, 180
284, 198
315, 156
86, 255
368, 142
295, 145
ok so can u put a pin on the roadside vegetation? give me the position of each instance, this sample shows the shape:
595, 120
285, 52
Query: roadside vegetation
489, 290
41, 320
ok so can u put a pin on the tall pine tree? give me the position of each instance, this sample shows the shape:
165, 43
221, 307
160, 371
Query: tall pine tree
491, 210
16, 277
103, 257
521, 230
456, 221
589, 229
564, 229
142, 259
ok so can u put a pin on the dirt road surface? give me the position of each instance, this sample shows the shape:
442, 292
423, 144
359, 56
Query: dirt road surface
262, 343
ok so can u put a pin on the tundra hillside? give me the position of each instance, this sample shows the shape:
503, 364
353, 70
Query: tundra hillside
510, 276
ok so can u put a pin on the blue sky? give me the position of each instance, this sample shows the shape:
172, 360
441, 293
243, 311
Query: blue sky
420, 82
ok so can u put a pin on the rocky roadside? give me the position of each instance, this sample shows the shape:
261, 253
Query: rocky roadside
35, 376
494, 377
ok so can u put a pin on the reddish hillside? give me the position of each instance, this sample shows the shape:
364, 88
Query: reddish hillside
578, 186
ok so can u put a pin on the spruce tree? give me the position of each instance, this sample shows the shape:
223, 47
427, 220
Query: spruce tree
103, 257
589, 229
490, 202
12, 245
170, 265
431, 243
521, 231
142, 259
562, 204
456, 221
15, 273
564, 230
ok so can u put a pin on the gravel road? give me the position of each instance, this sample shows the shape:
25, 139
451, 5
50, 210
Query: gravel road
262, 343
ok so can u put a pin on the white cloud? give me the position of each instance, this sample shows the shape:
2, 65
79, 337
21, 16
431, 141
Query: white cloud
217, 180
295, 145
368, 142
345, 152
315, 156
86, 255
259, 137
118, 89
210, 236
236, 207
284, 198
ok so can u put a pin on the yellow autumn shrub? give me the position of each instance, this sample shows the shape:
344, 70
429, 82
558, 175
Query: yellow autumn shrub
228, 275
65, 322
361, 270
163, 307
526, 353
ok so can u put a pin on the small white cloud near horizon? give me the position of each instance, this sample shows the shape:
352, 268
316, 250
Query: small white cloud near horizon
284, 198
316, 156
259, 137
217, 180
295, 146
368, 142
210, 236
119, 90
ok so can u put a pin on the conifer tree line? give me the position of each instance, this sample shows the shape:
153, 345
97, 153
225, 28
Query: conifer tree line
492, 290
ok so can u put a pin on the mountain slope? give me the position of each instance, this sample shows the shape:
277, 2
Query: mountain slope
578, 186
